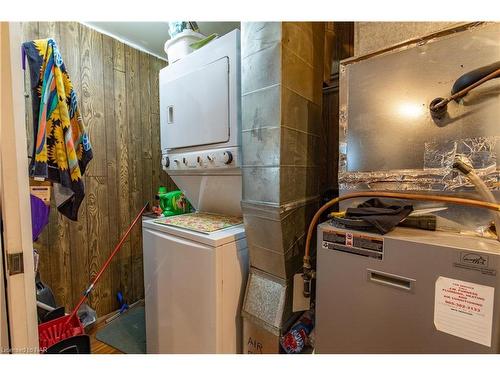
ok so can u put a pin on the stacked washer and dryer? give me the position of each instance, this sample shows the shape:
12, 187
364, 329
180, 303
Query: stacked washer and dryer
194, 281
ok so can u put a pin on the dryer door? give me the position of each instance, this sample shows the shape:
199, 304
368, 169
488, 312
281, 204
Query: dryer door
194, 108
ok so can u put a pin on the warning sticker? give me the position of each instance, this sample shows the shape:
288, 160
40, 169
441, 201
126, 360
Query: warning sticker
464, 309
354, 243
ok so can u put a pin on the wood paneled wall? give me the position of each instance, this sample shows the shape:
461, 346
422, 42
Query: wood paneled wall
117, 91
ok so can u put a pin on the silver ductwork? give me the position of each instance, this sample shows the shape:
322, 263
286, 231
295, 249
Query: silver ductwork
278, 236
282, 71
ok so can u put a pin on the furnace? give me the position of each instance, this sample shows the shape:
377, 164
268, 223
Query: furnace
415, 291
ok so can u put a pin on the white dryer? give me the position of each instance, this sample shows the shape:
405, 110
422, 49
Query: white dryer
200, 117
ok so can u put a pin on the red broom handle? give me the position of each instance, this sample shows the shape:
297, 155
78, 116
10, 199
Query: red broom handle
110, 258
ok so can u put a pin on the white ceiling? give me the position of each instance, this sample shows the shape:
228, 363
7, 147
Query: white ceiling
151, 36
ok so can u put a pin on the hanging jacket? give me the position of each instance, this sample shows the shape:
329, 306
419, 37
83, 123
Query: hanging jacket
62, 148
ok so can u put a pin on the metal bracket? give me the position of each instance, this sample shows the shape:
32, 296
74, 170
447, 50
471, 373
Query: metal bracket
15, 263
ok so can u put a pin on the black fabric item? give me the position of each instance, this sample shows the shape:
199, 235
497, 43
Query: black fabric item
381, 216
74, 345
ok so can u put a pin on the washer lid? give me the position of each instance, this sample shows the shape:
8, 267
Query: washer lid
214, 239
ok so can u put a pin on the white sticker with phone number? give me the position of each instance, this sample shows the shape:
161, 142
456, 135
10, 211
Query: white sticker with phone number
464, 309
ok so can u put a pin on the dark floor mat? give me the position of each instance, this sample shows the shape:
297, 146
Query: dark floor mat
126, 333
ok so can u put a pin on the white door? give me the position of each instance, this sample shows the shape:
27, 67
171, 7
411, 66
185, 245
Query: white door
194, 108
15, 198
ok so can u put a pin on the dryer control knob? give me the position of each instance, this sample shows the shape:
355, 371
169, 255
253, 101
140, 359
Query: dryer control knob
227, 157
165, 161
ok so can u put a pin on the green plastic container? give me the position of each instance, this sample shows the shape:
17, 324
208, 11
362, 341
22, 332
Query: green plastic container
173, 202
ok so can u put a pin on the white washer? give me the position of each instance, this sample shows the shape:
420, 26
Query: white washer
193, 288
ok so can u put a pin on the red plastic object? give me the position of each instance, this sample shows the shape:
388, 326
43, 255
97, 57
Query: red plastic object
56, 330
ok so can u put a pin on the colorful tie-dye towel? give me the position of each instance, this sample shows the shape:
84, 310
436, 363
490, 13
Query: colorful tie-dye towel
62, 148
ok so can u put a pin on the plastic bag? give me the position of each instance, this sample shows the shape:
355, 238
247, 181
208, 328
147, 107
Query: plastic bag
297, 338
177, 27
87, 316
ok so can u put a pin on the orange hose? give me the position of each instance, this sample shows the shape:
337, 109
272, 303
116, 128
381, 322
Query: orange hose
384, 194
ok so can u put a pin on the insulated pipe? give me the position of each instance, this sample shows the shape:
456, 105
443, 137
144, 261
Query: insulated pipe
308, 273
442, 102
462, 86
481, 188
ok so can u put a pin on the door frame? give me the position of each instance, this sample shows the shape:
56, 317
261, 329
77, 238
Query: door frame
15, 196
4, 330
